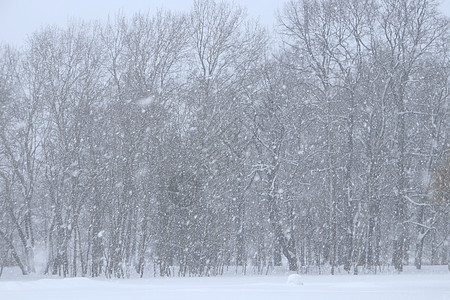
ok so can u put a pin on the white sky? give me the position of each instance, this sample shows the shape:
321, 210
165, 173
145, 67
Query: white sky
18, 18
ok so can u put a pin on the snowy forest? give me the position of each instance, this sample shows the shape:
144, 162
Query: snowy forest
189, 144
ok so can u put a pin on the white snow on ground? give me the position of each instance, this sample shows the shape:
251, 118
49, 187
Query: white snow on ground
429, 286
295, 279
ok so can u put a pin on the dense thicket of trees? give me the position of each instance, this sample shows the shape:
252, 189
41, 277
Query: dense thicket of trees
186, 144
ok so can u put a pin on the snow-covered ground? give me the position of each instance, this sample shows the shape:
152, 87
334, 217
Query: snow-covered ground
415, 285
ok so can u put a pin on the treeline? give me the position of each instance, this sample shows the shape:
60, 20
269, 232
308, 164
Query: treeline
189, 143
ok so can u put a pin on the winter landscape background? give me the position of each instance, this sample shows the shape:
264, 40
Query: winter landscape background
201, 144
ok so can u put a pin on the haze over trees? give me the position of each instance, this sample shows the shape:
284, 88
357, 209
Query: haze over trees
189, 144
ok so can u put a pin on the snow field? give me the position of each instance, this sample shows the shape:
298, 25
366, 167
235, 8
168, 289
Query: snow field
384, 287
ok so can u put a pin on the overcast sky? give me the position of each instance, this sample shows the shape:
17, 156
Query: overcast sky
18, 18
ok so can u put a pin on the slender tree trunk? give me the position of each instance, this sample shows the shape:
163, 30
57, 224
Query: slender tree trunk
400, 208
